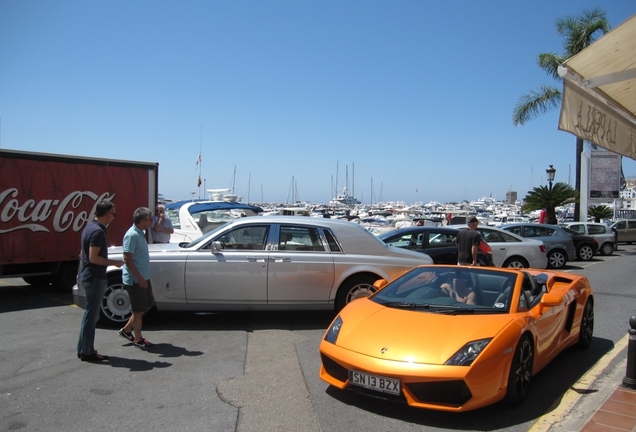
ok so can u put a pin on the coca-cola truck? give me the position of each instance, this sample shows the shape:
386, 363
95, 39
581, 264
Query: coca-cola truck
46, 201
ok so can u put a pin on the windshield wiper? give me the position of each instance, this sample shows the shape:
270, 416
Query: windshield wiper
453, 310
407, 305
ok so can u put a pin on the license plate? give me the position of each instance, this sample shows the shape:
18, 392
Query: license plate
374, 382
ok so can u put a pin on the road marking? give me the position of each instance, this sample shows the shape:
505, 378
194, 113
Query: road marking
572, 396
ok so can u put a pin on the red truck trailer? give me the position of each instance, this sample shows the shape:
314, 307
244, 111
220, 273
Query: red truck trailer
46, 201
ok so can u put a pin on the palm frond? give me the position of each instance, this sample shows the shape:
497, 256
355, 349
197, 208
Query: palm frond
550, 62
580, 32
535, 103
542, 197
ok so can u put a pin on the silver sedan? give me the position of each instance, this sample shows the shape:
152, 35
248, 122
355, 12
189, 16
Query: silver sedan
263, 263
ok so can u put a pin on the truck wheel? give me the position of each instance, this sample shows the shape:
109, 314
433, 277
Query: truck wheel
66, 276
115, 308
43, 280
354, 288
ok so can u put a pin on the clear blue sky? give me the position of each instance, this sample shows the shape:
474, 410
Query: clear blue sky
416, 95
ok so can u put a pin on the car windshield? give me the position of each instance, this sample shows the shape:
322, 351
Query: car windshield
450, 289
570, 231
204, 238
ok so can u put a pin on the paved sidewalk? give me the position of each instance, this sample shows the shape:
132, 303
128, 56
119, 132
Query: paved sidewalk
597, 401
617, 413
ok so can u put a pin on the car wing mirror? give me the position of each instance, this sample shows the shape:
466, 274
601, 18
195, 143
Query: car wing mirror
215, 247
380, 283
551, 299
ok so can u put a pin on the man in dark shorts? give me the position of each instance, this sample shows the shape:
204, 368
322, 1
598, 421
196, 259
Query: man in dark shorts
468, 243
94, 260
136, 277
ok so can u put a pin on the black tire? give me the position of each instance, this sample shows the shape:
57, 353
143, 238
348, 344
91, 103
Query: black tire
606, 249
66, 276
516, 262
557, 259
354, 288
586, 330
43, 280
585, 253
520, 375
115, 308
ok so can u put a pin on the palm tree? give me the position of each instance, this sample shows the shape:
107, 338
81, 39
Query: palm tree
545, 197
578, 33
599, 212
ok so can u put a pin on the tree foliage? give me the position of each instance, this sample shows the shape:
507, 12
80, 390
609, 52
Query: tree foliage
599, 212
577, 32
544, 197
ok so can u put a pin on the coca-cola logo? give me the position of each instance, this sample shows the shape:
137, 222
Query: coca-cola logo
32, 214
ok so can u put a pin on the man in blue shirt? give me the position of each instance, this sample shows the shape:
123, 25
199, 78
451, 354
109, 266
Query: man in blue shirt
94, 260
136, 276
161, 226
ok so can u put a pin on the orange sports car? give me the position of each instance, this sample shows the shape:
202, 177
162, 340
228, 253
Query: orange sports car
457, 338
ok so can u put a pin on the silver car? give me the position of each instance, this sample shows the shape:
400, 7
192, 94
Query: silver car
559, 244
263, 263
603, 234
511, 250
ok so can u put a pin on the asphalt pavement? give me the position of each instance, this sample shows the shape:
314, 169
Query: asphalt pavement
238, 372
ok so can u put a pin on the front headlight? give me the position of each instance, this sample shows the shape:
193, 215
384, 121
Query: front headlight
334, 329
468, 353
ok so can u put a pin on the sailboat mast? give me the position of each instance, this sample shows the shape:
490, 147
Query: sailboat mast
336, 188
233, 179
353, 179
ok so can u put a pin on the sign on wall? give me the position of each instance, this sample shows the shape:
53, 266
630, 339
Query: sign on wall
605, 174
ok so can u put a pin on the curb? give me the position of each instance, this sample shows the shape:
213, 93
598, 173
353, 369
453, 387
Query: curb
566, 406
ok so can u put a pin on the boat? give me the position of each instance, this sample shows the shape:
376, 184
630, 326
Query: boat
345, 198
192, 219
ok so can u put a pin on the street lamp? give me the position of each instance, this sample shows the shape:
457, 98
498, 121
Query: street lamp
550, 175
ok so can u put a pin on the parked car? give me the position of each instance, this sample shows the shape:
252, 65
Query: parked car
586, 246
511, 250
625, 231
603, 234
413, 342
262, 263
440, 243
192, 219
559, 244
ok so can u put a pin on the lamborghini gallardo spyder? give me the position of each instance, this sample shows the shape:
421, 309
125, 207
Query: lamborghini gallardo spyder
457, 338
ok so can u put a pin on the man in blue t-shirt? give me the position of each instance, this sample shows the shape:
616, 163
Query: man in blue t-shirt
94, 260
136, 277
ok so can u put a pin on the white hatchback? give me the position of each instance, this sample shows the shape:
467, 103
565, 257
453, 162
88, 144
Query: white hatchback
603, 234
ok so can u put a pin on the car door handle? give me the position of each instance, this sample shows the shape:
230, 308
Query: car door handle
281, 259
256, 258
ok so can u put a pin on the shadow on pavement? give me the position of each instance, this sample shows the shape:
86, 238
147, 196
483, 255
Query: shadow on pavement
245, 321
15, 298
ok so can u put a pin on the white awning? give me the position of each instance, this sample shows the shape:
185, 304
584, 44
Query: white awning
599, 91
